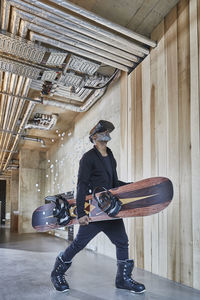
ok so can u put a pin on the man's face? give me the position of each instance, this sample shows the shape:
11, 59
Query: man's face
102, 136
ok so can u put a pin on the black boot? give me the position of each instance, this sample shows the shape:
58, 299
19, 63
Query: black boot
57, 275
123, 278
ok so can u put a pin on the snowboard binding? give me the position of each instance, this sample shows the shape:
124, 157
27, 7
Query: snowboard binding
61, 210
107, 202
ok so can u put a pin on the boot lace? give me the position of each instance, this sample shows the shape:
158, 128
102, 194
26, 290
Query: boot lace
61, 279
132, 280
129, 277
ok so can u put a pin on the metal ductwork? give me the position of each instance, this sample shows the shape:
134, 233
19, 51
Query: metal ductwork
46, 50
42, 122
91, 101
32, 139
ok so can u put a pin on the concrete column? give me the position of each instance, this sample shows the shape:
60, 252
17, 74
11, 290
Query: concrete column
8, 202
31, 186
14, 196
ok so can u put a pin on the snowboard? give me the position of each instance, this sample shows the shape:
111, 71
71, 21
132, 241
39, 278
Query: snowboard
142, 198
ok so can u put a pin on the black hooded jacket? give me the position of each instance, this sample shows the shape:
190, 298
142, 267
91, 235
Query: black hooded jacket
93, 172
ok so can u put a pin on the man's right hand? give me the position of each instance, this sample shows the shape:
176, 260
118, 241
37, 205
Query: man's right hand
84, 220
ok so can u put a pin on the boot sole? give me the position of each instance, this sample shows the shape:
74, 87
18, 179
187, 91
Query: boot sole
138, 292
67, 290
131, 291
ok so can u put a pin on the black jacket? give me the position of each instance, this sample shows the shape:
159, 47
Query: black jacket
92, 173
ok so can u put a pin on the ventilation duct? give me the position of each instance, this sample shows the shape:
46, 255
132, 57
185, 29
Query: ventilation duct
42, 122
32, 139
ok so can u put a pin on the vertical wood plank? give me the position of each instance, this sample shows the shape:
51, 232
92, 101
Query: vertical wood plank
156, 35
124, 134
131, 160
161, 145
146, 110
131, 155
173, 148
195, 137
184, 145
138, 145
124, 126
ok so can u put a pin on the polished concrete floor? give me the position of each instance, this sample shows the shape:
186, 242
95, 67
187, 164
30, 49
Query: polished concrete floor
26, 262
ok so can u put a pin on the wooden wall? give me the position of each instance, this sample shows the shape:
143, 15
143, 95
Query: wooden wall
160, 136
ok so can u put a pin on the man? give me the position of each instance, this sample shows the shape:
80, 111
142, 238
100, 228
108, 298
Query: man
97, 168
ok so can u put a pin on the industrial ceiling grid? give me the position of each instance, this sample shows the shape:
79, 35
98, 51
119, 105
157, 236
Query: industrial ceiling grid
56, 50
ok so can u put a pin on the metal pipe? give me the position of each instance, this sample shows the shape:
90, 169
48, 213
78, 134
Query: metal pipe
13, 167
8, 116
55, 43
38, 140
92, 16
87, 25
93, 99
78, 40
3, 98
21, 97
5, 150
17, 113
26, 116
60, 17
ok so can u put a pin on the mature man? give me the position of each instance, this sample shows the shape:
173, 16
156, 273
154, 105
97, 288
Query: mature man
97, 168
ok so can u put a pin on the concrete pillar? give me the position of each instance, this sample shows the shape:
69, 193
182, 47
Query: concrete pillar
31, 186
14, 196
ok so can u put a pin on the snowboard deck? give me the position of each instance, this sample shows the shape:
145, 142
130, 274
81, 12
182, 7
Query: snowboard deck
142, 198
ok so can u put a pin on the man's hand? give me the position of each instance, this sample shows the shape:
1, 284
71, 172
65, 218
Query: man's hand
84, 220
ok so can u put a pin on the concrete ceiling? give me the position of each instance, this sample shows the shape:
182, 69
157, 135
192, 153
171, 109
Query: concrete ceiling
141, 16
46, 25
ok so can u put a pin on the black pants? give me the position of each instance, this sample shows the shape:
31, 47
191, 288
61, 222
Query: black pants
114, 230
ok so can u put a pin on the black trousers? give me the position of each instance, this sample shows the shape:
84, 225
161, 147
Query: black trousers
115, 231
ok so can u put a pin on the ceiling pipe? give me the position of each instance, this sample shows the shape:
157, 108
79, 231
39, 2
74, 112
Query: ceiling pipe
6, 150
38, 140
21, 97
7, 117
86, 24
45, 27
58, 16
96, 57
90, 102
26, 116
97, 19
3, 98
22, 86
12, 167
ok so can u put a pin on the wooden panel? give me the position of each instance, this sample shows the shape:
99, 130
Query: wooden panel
146, 108
124, 127
131, 157
184, 144
138, 172
161, 145
164, 140
173, 243
124, 135
157, 35
194, 9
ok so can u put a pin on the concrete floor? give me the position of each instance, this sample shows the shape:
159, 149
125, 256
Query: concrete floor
26, 262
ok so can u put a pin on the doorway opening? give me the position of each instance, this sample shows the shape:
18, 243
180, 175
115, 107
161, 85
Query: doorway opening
2, 202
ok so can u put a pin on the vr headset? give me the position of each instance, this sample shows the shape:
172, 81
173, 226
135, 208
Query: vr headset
101, 127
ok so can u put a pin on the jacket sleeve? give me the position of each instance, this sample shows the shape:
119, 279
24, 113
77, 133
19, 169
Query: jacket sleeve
120, 183
84, 173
